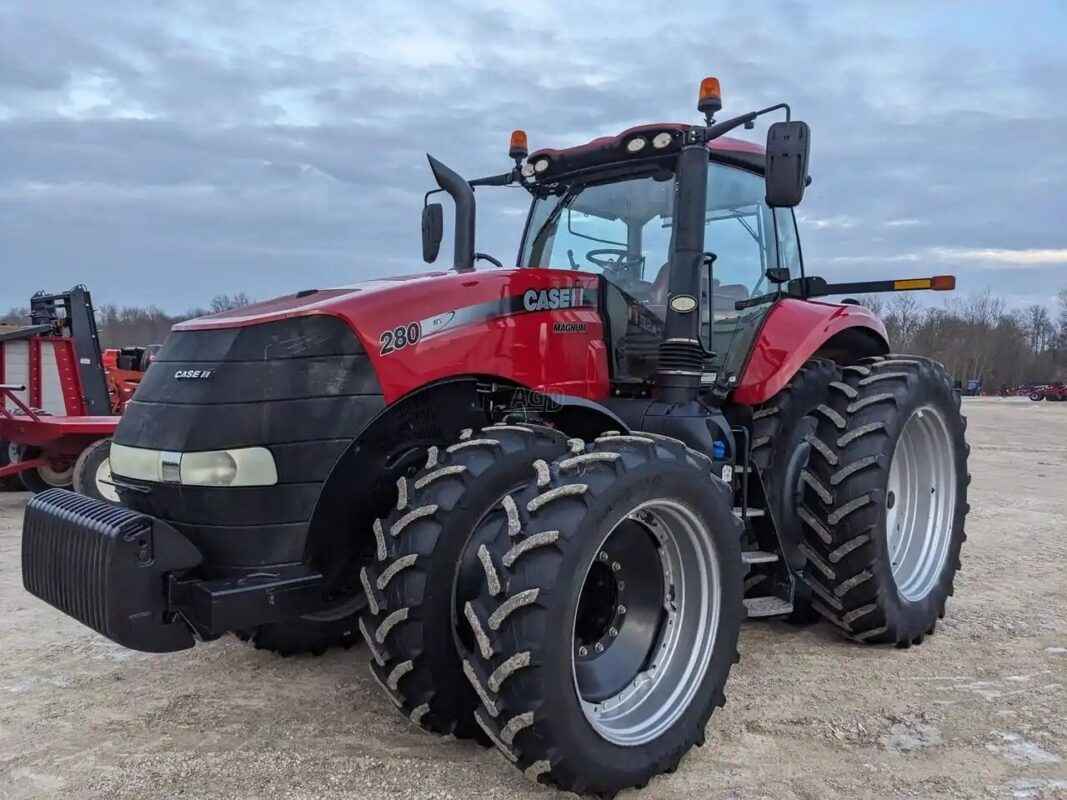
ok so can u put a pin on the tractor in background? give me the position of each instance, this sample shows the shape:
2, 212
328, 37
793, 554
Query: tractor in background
545, 496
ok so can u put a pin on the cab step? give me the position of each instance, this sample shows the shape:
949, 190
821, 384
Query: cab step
749, 512
758, 557
770, 606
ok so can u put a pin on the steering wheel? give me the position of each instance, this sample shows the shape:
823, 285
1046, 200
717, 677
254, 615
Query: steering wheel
622, 260
624, 271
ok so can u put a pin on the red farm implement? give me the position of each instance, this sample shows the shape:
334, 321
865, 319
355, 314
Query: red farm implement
59, 404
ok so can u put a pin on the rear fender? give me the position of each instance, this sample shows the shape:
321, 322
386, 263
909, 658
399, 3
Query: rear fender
795, 331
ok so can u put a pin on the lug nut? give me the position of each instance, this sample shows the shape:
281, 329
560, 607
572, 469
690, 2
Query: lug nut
613, 632
615, 566
622, 609
583, 650
603, 556
599, 647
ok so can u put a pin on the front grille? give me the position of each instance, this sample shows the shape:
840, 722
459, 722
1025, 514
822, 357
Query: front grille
302, 387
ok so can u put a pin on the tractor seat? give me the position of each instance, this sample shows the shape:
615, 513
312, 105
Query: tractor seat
723, 296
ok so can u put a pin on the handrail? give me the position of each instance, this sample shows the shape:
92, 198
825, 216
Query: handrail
7, 390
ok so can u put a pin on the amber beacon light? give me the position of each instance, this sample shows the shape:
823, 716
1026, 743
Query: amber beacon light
517, 147
710, 97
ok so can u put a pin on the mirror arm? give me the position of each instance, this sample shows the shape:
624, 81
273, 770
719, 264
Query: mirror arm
504, 179
489, 258
720, 128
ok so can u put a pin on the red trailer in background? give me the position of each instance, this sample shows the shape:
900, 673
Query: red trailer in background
60, 398
1052, 392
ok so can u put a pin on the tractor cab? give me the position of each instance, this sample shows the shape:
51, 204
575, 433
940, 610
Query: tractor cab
620, 225
690, 232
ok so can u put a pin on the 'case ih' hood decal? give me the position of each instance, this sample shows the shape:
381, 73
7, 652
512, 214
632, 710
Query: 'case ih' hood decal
554, 299
557, 298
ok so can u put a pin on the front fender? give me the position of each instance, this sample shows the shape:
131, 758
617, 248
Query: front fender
796, 330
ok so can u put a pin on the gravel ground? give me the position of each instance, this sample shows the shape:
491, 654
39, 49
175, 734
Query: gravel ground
980, 710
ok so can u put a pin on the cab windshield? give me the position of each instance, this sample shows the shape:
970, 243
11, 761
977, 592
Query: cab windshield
623, 228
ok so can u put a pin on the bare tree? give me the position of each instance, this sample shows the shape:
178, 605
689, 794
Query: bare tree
226, 302
1039, 327
1061, 300
16, 316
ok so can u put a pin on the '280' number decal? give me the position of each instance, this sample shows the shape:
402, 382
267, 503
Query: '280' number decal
399, 337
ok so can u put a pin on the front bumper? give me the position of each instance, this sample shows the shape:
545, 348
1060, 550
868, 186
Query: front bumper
133, 578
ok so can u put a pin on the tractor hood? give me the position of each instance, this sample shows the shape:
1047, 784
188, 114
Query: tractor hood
437, 301
446, 314
309, 301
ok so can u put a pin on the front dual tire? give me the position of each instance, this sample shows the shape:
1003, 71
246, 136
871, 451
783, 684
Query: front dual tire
605, 623
411, 583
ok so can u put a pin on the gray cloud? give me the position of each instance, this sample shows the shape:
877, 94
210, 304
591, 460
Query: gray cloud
166, 156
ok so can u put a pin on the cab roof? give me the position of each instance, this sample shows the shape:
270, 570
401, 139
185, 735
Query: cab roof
609, 149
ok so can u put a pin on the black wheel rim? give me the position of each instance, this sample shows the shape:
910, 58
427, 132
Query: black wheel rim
619, 613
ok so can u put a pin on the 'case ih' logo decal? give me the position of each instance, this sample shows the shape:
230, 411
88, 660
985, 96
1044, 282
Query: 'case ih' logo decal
406, 335
193, 374
545, 299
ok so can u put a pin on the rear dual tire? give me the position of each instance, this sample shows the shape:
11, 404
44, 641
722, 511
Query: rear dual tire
781, 428
885, 499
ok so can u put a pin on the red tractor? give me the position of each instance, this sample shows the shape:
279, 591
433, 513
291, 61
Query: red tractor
548, 495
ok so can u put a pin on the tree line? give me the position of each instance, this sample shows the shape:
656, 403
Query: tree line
978, 337
129, 326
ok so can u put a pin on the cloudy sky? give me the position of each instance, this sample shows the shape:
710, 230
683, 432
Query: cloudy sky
165, 152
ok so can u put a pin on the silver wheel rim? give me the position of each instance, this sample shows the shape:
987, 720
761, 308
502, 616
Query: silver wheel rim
659, 694
59, 479
103, 481
920, 503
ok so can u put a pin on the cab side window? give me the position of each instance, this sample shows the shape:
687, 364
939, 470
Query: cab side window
788, 243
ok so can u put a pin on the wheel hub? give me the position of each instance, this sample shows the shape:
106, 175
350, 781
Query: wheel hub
618, 613
920, 503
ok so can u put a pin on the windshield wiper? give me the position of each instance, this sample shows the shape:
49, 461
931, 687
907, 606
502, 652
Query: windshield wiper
553, 216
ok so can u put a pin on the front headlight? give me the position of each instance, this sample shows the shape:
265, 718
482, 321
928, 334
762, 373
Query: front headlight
216, 468
245, 466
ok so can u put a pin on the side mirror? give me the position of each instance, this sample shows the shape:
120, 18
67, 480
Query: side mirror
788, 146
433, 225
777, 275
